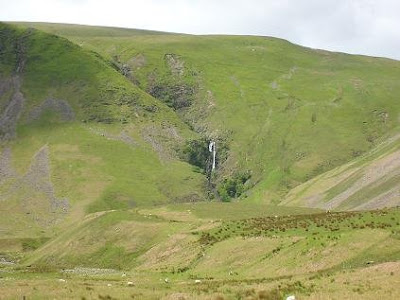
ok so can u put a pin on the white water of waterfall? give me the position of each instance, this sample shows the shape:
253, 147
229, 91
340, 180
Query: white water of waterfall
212, 148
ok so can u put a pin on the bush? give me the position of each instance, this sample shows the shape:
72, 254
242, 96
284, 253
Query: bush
196, 153
176, 95
233, 187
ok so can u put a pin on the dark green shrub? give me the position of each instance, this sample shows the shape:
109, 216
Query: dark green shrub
234, 186
196, 153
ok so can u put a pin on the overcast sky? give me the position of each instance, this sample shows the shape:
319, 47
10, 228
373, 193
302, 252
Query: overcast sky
370, 27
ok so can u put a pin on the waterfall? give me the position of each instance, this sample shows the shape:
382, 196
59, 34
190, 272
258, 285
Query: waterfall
212, 148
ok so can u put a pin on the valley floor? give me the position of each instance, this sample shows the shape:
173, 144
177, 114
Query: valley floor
214, 251
379, 281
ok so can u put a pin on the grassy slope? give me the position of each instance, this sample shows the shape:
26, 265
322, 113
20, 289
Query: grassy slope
304, 254
368, 182
288, 113
119, 151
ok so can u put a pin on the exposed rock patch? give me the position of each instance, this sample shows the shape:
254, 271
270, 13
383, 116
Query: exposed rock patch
20, 51
12, 111
6, 85
137, 62
389, 165
210, 99
6, 169
34, 189
390, 198
61, 107
38, 175
175, 63
374, 185
126, 138
38, 178
158, 139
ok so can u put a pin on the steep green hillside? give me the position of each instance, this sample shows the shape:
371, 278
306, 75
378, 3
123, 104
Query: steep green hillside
105, 161
281, 114
369, 182
78, 137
